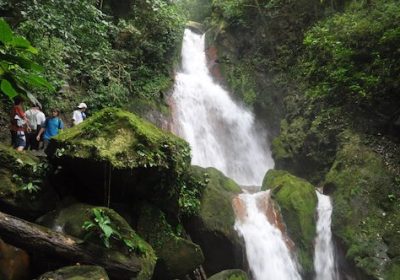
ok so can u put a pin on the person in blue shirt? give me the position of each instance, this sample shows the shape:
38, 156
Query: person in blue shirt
51, 127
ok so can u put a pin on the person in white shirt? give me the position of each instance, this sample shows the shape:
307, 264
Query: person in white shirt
79, 115
36, 120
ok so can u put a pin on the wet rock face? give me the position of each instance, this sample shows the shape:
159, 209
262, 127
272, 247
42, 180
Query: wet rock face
14, 263
297, 201
213, 227
78, 272
117, 151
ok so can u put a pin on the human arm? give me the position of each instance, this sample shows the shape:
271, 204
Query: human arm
40, 133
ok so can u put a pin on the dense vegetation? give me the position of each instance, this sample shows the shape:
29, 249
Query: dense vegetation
104, 55
321, 74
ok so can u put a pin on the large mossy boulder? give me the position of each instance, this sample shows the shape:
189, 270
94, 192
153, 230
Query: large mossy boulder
231, 274
176, 256
77, 272
71, 220
23, 190
366, 208
297, 201
213, 226
118, 151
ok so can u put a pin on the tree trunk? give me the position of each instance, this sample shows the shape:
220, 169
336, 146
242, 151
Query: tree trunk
37, 239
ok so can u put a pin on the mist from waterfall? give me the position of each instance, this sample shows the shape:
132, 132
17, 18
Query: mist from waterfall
324, 257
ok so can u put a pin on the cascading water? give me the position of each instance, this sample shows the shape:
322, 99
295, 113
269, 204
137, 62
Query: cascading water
267, 253
222, 134
324, 259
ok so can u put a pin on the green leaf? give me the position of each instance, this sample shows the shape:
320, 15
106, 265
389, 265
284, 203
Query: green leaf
35, 80
20, 42
6, 34
8, 89
108, 231
22, 62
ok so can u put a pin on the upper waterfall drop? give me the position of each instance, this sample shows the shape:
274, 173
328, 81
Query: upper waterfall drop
221, 133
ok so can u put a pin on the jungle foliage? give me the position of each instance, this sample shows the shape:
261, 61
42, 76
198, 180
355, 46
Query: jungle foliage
92, 53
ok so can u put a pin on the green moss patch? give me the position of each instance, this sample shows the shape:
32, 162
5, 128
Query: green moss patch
298, 201
124, 140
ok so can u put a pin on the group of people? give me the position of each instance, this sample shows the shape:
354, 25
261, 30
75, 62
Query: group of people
32, 130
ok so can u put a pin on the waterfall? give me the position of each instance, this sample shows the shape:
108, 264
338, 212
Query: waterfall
223, 134
267, 253
324, 258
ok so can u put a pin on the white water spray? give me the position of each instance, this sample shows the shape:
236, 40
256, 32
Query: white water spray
324, 259
267, 253
221, 133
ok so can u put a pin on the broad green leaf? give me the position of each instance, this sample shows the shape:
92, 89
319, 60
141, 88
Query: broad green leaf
20, 42
35, 81
6, 34
8, 89
108, 231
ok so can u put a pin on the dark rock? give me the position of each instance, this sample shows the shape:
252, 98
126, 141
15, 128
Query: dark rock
117, 154
212, 228
77, 272
70, 220
176, 256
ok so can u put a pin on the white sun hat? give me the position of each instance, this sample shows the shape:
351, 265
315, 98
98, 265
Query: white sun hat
82, 105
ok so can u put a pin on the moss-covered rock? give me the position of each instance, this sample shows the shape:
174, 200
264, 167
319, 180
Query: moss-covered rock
366, 208
22, 163
231, 274
23, 190
298, 201
77, 272
128, 156
212, 228
71, 220
176, 256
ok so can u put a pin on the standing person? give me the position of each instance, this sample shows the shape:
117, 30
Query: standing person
18, 125
36, 119
79, 115
52, 127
